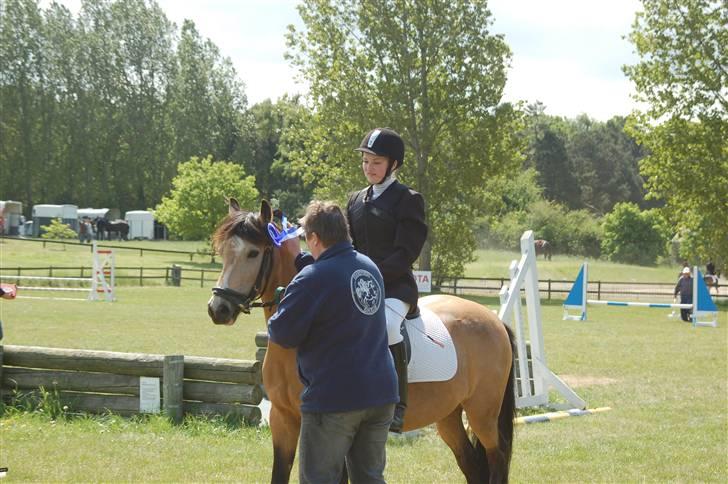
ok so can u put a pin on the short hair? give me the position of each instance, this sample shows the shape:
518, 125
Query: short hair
328, 222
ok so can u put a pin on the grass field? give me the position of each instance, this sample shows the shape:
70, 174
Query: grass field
667, 384
489, 263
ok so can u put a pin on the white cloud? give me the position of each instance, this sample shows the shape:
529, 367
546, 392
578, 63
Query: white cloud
567, 89
569, 54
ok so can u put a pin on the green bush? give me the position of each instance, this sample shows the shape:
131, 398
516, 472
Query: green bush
584, 234
505, 232
58, 230
633, 236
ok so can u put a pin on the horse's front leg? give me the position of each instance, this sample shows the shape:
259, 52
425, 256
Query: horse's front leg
285, 426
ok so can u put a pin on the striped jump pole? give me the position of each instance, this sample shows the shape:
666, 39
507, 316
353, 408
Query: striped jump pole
702, 305
102, 280
103, 274
550, 416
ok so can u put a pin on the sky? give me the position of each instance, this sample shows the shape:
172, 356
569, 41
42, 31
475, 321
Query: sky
568, 54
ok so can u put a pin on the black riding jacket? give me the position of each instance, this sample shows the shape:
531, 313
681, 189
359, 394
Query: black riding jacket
391, 230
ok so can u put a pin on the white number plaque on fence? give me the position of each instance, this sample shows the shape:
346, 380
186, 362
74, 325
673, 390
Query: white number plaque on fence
148, 394
424, 280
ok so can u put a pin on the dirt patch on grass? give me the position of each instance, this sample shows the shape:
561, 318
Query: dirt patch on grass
576, 381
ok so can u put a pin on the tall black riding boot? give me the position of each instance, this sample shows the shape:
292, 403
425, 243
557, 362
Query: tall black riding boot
400, 364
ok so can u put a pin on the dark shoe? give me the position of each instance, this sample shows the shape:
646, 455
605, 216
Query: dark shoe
398, 419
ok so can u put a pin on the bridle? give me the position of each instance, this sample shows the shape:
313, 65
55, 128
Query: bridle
245, 302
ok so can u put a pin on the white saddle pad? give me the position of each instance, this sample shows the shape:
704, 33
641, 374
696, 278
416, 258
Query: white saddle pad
433, 351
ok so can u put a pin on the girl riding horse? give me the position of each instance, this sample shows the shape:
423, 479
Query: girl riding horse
482, 387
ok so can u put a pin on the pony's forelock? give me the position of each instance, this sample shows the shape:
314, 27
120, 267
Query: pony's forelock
246, 225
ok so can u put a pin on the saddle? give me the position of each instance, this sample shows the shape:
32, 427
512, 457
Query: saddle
431, 354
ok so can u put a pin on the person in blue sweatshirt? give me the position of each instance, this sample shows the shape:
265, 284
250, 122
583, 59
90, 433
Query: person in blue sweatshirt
333, 314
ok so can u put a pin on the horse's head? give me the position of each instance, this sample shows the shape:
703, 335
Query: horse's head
247, 262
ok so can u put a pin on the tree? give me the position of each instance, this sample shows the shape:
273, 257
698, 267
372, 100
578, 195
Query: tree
207, 102
58, 230
434, 73
274, 129
196, 203
547, 137
605, 161
632, 236
681, 78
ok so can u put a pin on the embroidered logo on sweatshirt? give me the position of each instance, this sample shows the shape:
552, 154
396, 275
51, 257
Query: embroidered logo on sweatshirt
366, 292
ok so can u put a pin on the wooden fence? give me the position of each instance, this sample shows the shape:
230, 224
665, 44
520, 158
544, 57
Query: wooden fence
261, 341
474, 286
104, 381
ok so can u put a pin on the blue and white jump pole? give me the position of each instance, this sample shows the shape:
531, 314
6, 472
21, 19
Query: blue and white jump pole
702, 306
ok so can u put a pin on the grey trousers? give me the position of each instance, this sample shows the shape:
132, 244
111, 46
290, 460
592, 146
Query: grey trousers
357, 438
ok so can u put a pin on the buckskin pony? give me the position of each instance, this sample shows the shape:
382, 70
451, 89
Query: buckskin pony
253, 267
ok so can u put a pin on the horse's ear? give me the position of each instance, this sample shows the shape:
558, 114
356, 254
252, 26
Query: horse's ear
266, 212
233, 206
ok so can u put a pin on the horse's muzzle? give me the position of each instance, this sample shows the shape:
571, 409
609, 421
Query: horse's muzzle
222, 312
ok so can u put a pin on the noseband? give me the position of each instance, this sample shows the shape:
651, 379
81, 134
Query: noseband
240, 300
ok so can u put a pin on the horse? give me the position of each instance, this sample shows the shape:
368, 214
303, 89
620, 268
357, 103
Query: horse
711, 281
483, 386
104, 228
543, 247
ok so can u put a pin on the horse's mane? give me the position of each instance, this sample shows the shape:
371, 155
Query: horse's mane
245, 225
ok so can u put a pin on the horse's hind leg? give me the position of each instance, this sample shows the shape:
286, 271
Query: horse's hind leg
452, 431
484, 424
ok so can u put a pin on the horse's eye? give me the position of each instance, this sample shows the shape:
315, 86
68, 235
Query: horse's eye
253, 254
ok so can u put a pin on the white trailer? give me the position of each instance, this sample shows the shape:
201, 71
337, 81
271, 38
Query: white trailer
44, 214
141, 224
11, 217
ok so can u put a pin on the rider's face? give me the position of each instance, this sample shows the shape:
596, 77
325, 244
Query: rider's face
374, 167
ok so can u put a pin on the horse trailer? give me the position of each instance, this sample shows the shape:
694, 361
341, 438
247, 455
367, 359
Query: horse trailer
94, 213
11, 217
44, 214
141, 224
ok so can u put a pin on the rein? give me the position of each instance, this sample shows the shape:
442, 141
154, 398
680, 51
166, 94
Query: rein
245, 302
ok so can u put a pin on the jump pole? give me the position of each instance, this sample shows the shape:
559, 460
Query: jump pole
702, 305
524, 275
102, 280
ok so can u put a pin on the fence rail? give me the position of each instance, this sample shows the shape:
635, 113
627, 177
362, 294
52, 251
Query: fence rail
100, 381
553, 288
476, 286
191, 254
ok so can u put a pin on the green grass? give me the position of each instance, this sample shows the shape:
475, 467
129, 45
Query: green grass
494, 263
667, 384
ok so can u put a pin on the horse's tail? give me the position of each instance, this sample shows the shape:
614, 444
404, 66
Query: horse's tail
508, 408
505, 429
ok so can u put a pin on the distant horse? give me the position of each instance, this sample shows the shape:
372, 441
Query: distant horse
711, 276
104, 228
543, 247
482, 387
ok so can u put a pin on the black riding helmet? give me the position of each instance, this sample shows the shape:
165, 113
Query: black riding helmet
384, 142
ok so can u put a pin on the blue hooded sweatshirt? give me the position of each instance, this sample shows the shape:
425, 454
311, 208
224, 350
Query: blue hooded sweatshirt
333, 314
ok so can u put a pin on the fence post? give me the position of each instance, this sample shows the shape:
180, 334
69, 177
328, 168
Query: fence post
549, 297
599, 290
176, 275
141, 276
202, 277
173, 378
